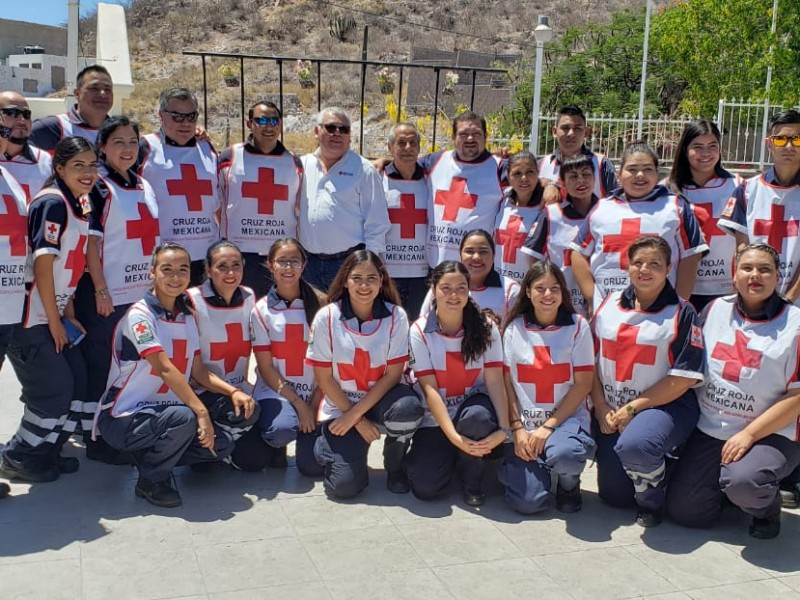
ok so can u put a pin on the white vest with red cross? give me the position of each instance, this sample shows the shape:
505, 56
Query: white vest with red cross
715, 270
550, 169
283, 332
749, 366
465, 196
130, 234
633, 348
614, 223
773, 217
408, 202
185, 182
542, 363
68, 266
30, 175
225, 344
357, 358
260, 199
69, 129
13, 248
562, 232
437, 354
140, 386
510, 231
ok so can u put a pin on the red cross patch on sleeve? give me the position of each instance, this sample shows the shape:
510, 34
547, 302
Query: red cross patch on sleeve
729, 205
696, 338
142, 332
51, 232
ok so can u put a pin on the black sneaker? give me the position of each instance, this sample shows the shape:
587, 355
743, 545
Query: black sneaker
473, 497
790, 497
16, 471
765, 529
5, 489
100, 451
569, 501
278, 459
397, 482
158, 493
66, 464
647, 517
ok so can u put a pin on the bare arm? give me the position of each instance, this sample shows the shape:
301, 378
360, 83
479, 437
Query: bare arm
687, 273
584, 278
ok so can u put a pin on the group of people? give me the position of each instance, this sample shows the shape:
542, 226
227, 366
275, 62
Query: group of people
469, 307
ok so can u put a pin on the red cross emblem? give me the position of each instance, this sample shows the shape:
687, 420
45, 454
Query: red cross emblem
511, 238
408, 216
736, 356
15, 226
455, 198
192, 188
619, 242
455, 378
52, 229
360, 371
179, 358
544, 374
236, 346
708, 224
265, 191
146, 229
626, 353
776, 228
292, 350
76, 261
140, 327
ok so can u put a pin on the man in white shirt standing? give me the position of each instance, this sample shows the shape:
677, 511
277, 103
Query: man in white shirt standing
342, 202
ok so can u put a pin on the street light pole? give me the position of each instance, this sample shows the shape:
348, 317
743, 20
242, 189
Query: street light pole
644, 70
763, 156
542, 34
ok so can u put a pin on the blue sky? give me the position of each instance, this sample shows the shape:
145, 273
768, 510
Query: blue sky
46, 12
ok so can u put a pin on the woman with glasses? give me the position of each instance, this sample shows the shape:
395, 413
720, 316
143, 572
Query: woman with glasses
183, 172
746, 439
123, 232
766, 208
359, 350
48, 363
285, 387
259, 183
150, 408
487, 287
222, 307
697, 173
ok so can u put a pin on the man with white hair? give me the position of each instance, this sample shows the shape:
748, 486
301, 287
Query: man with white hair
342, 203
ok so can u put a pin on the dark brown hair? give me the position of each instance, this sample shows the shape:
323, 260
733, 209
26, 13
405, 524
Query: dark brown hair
524, 307
312, 298
388, 291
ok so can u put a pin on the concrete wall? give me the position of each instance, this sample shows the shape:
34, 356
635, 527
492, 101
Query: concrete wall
15, 35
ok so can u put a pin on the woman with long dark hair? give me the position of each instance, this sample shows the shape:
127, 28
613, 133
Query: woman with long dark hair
457, 357
359, 350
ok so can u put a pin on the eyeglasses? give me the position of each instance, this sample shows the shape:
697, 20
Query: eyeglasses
289, 264
5, 132
333, 128
14, 112
781, 140
263, 121
179, 117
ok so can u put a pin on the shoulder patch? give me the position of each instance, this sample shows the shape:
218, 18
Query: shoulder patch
51, 231
696, 338
142, 332
729, 206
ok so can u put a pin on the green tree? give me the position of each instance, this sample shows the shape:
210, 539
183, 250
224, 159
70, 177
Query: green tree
722, 50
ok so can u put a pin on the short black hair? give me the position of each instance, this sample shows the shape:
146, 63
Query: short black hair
90, 69
268, 104
784, 117
573, 110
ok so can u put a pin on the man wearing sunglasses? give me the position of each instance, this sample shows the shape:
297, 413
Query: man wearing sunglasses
30, 165
259, 183
183, 172
766, 208
342, 204
94, 97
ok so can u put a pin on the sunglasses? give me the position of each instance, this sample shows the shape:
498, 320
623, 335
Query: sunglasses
781, 140
333, 128
179, 117
263, 121
14, 112
5, 132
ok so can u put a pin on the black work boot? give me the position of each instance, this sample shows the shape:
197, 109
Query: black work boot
393, 453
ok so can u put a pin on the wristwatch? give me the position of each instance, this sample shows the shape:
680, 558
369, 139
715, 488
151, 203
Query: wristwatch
631, 410
509, 436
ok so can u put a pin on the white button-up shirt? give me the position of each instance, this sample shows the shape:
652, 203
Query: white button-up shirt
342, 208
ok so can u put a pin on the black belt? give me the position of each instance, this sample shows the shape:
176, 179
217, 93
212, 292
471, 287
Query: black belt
338, 255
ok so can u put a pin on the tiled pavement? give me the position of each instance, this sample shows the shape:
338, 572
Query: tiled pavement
275, 535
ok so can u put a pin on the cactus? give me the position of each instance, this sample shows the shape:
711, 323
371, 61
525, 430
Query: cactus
342, 27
